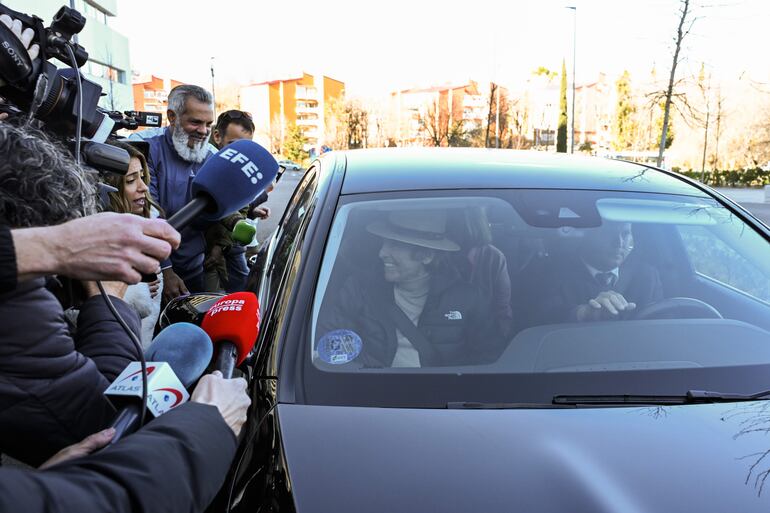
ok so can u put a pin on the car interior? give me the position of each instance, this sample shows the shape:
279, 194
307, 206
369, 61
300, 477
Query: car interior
702, 320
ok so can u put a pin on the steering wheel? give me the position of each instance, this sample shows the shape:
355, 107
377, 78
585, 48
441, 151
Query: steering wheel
678, 308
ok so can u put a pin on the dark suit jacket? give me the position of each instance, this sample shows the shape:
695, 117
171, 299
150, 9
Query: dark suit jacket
573, 285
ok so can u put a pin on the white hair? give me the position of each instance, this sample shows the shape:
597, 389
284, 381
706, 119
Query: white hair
177, 98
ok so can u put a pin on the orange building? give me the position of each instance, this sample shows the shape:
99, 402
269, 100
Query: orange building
151, 94
299, 100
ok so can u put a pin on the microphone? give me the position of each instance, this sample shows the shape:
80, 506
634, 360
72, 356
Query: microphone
183, 347
229, 180
233, 325
244, 232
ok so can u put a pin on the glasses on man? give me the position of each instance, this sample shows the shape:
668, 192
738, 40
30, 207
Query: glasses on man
235, 114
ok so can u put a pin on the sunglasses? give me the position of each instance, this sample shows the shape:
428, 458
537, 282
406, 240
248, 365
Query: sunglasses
235, 114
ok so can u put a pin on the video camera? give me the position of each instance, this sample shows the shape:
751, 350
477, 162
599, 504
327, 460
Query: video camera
63, 101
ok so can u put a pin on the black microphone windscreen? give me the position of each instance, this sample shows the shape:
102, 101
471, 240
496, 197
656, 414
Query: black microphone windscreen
184, 346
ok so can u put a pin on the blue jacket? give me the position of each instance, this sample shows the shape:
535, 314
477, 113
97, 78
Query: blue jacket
170, 185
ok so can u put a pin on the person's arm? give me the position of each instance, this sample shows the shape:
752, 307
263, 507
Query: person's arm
178, 462
101, 338
8, 271
102, 246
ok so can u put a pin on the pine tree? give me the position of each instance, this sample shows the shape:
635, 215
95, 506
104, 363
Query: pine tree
624, 125
561, 134
294, 145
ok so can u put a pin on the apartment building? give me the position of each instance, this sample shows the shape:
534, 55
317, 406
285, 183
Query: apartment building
151, 93
442, 105
108, 57
301, 100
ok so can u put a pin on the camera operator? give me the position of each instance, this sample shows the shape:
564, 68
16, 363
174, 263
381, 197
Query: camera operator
177, 152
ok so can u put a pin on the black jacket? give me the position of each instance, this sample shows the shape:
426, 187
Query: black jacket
177, 463
573, 285
51, 386
456, 322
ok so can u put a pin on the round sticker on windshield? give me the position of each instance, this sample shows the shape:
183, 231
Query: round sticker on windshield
339, 347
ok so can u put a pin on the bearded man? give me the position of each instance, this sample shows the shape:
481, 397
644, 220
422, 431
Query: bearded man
176, 153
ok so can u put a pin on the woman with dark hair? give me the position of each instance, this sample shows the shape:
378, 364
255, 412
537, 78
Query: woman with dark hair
133, 197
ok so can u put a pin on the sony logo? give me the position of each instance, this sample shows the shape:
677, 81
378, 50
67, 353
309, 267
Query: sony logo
15, 56
249, 168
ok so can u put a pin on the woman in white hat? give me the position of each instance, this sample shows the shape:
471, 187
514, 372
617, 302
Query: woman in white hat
418, 313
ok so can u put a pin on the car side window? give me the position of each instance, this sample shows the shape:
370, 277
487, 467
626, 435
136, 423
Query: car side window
295, 217
712, 257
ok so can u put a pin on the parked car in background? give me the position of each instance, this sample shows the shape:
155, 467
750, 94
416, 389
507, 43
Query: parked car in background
488, 392
289, 165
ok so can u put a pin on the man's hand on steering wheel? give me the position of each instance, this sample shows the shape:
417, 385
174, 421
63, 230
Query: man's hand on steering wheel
608, 302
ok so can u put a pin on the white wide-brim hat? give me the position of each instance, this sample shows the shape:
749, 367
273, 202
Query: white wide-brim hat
424, 228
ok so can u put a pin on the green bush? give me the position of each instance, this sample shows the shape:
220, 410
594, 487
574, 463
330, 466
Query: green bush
751, 177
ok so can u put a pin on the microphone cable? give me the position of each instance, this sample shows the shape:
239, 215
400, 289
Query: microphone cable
105, 296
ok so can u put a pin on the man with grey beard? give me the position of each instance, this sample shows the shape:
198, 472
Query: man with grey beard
176, 153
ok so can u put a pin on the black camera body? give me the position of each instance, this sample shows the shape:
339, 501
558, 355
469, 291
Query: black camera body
60, 98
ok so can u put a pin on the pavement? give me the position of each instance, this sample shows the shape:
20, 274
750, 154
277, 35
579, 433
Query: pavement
277, 201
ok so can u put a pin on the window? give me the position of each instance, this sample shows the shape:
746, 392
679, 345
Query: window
713, 257
106, 72
431, 297
295, 218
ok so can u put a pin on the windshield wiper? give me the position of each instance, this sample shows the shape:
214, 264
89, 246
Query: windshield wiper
472, 405
691, 397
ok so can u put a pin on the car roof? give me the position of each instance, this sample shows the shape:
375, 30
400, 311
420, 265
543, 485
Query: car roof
399, 169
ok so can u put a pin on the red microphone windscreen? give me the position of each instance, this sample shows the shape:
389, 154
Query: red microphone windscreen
234, 318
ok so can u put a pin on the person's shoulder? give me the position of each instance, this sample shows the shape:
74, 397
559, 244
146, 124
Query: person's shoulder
148, 134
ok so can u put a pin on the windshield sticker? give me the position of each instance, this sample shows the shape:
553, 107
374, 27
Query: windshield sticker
339, 347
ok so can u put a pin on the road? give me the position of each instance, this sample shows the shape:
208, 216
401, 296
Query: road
277, 201
752, 200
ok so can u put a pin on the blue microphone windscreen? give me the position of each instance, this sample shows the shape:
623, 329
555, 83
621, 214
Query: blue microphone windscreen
234, 177
184, 346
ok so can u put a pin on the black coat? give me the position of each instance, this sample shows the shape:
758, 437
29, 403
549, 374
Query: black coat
573, 285
177, 463
51, 386
457, 321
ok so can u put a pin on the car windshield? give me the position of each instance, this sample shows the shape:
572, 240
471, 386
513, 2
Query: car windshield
519, 295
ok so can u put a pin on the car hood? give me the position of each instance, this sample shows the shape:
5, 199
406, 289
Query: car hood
648, 459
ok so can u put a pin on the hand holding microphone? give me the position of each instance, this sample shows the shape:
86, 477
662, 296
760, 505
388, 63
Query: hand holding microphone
228, 395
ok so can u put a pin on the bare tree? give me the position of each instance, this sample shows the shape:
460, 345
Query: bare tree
490, 113
433, 124
683, 29
704, 86
718, 118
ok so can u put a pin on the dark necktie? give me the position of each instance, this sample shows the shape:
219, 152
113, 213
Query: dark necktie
605, 279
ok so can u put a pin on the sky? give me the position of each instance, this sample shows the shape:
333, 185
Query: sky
376, 48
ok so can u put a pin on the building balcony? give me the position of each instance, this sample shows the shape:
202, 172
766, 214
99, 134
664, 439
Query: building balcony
303, 109
307, 122
303, 93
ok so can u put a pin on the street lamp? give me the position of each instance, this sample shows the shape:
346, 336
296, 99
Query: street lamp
213, 92
574, 53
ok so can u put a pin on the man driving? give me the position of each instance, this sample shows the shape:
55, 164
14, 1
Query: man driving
600, 283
